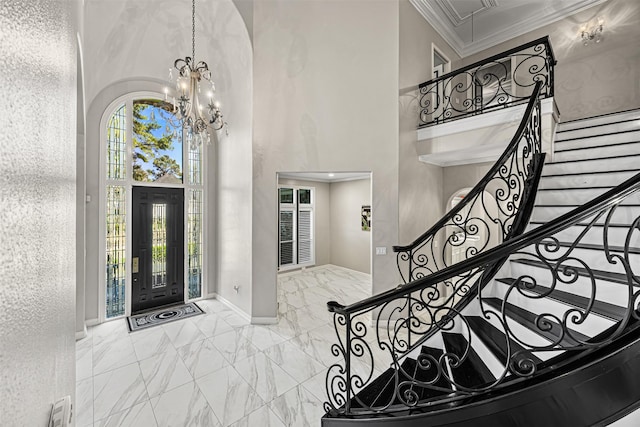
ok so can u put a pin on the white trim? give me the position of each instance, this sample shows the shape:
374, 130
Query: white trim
264, 320
233, 307
494, 118
81, 334
430, 159
92, 322
426, 9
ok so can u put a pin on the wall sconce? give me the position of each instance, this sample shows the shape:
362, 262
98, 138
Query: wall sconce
592, 33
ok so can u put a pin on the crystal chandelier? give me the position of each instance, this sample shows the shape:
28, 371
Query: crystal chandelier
194, 115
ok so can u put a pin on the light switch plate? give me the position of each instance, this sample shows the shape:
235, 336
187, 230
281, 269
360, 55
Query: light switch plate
381, 250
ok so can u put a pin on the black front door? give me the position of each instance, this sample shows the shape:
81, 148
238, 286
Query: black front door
158, 248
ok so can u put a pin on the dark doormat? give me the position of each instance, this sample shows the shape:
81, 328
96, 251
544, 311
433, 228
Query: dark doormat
163, 315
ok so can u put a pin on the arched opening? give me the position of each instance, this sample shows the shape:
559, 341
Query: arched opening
152, 208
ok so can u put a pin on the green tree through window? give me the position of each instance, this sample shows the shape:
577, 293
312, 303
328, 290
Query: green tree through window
157, 142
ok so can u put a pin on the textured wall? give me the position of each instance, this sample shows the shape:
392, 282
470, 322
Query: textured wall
37, 209
350, 244
325, 97
129, 46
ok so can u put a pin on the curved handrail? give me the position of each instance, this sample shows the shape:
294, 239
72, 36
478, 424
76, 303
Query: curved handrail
419, 314
603, 202
507, 206
500, 81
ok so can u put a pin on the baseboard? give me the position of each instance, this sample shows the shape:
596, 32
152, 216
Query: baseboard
81, 334
91, 322
264, 320
233, 307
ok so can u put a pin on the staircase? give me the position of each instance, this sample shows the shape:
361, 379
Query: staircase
546, 331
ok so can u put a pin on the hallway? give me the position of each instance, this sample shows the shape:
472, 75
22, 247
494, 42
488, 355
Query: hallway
217, 369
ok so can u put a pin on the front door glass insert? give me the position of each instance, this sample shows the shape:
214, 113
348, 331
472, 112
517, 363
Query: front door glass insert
159, 248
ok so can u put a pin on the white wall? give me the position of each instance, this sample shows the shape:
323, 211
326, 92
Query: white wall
130, 46
325, 96
419, 184
37, 212
350, 245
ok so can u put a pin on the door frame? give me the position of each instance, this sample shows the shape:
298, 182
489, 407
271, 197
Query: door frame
128, 183
167, 191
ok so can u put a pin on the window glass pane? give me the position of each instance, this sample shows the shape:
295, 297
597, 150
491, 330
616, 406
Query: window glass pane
194, 227
116, 238
286, 226
304, 196
159, 246
157, 143
286, 195
195, 164
116, 145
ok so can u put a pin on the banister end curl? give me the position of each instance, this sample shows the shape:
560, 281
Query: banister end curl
335, 307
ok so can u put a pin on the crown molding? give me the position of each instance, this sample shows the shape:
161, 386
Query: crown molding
426, 9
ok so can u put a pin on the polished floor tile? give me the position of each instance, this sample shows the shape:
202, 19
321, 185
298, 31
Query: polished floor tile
183, 406
265, 376
164, 372
202, 358
136, 416
233, 346
229, 395
294, 361
215, 369
117, 390
84, 402
149, 342
298, 408
263, 417
183, 332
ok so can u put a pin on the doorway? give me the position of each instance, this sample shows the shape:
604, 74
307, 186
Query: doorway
157, 262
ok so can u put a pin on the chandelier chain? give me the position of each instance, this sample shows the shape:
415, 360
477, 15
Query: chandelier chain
193, 30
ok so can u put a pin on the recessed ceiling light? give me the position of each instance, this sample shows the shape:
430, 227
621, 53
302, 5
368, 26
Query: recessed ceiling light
331, 175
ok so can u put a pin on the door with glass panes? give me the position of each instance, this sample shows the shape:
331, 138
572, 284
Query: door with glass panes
295, 228
157, 269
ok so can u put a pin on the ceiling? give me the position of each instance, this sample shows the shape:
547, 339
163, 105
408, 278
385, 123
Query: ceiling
470, 26
324, 176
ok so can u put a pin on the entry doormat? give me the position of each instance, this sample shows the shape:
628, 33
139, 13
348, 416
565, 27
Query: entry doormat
164, 315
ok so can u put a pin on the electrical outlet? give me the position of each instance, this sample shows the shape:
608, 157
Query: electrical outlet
381, 250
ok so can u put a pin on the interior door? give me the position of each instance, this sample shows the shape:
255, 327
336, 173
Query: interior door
157, 248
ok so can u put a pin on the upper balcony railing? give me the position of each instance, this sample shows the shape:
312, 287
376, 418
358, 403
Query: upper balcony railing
503, 80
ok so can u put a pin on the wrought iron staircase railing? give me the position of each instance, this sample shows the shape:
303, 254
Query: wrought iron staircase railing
570, 333
485, 216
503, 80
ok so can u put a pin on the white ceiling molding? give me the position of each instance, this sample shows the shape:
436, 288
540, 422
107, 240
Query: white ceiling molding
455, 15
502, 27
324, 176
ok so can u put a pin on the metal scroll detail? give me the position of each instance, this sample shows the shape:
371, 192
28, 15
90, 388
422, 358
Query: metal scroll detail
485, 215
388, 330
500, 81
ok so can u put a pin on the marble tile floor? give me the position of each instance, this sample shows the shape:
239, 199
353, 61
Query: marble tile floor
217, 369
